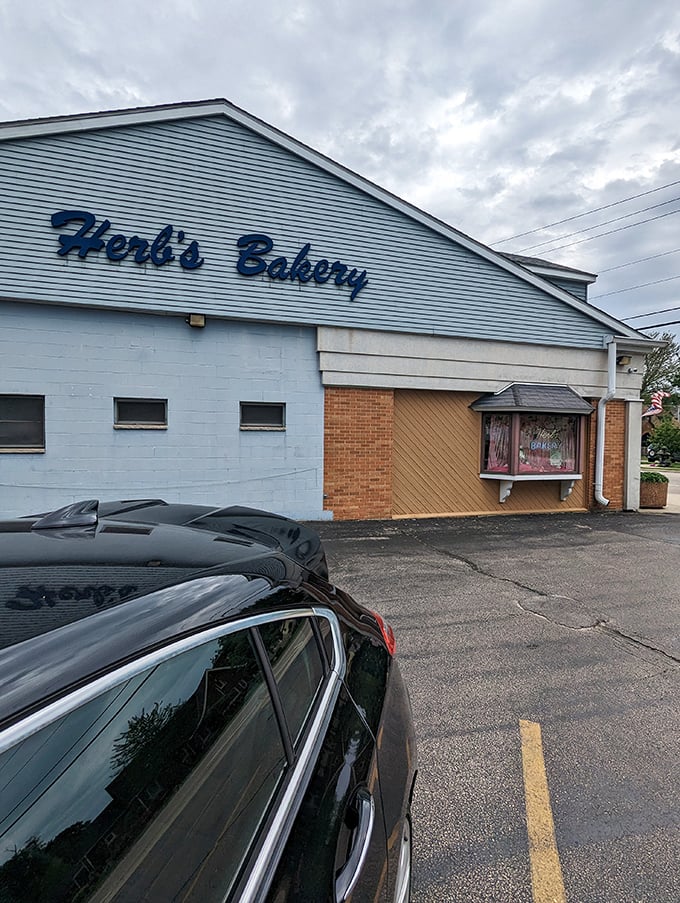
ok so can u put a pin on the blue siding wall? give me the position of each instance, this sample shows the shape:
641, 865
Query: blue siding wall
578, 289
217, 180
80, 360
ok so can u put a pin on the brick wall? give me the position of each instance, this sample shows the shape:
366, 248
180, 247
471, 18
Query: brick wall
359, 430
358, 453
614, 455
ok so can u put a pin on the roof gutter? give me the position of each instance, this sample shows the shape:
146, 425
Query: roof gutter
610, 342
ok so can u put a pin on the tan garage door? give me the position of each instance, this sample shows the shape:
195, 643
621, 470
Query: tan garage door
436, 462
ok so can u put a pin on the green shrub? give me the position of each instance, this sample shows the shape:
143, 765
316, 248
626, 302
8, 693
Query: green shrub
653, 476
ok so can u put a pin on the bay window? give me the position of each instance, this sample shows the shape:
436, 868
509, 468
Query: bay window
531, 443
532, 432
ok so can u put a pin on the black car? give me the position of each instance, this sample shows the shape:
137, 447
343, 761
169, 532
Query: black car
191, 711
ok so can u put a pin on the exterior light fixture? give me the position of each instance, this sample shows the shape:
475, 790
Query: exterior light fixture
197, 320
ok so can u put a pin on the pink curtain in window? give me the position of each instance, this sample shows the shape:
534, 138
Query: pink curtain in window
499, 443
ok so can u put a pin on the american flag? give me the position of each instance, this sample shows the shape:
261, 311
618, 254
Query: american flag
656, 406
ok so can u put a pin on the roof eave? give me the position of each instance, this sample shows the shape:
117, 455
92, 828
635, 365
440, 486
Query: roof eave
568, 275
639, 343
532, 409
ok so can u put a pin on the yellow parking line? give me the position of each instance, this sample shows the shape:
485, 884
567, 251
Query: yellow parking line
546, 872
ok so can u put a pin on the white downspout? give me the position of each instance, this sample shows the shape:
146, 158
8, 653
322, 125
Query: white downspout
610, 342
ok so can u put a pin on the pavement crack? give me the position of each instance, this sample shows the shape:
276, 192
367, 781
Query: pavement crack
552, 620
548, 606
472, 564
638, 642
604, 626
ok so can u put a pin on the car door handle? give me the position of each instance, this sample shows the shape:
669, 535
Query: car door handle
348, 875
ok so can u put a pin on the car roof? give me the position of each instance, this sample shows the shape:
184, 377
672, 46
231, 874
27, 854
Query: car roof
66, 565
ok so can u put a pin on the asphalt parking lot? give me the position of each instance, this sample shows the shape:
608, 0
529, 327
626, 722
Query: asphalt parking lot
569, 624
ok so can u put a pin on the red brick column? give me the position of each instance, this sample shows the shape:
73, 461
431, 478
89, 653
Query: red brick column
358, 436
614, 455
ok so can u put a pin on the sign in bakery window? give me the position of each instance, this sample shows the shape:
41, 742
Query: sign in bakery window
547, 443
531, 443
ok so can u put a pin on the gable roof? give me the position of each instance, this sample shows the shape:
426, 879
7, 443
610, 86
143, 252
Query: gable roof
219, 107
548, 268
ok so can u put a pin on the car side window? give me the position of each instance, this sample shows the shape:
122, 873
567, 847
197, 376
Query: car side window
184, 756
298, 666
326, 635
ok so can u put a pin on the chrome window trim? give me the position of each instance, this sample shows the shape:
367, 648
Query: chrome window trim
270, 851
266, 862
34, 722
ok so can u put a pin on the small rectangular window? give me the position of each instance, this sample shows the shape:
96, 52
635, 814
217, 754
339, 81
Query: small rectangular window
140, 413
22, 423
257, 415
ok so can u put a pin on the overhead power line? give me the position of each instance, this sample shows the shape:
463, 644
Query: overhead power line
632, 287
570, 219
610, 232
606, 222
640, 260
651, 313
656, 325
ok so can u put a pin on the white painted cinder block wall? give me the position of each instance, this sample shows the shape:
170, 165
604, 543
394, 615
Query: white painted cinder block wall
81, 359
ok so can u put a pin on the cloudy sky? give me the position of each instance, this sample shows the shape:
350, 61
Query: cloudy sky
498, 116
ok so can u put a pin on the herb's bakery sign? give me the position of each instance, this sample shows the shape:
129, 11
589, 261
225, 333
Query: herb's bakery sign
256, 255
160, 250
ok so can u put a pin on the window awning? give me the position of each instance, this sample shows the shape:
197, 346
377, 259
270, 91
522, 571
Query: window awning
533, 398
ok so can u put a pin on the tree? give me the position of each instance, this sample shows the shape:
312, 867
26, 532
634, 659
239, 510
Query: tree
666, 435
140, 739
662, 368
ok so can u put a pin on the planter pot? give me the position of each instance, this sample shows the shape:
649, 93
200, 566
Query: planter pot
653, 495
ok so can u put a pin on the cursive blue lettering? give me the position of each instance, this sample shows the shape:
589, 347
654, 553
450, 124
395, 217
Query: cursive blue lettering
80, 240
304, 271
252, 261
160, 253
277, 268
356, 280
116, 247
300, 259
190, 257
321, 273
142, 246
254, 247
89, 238
339, 269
